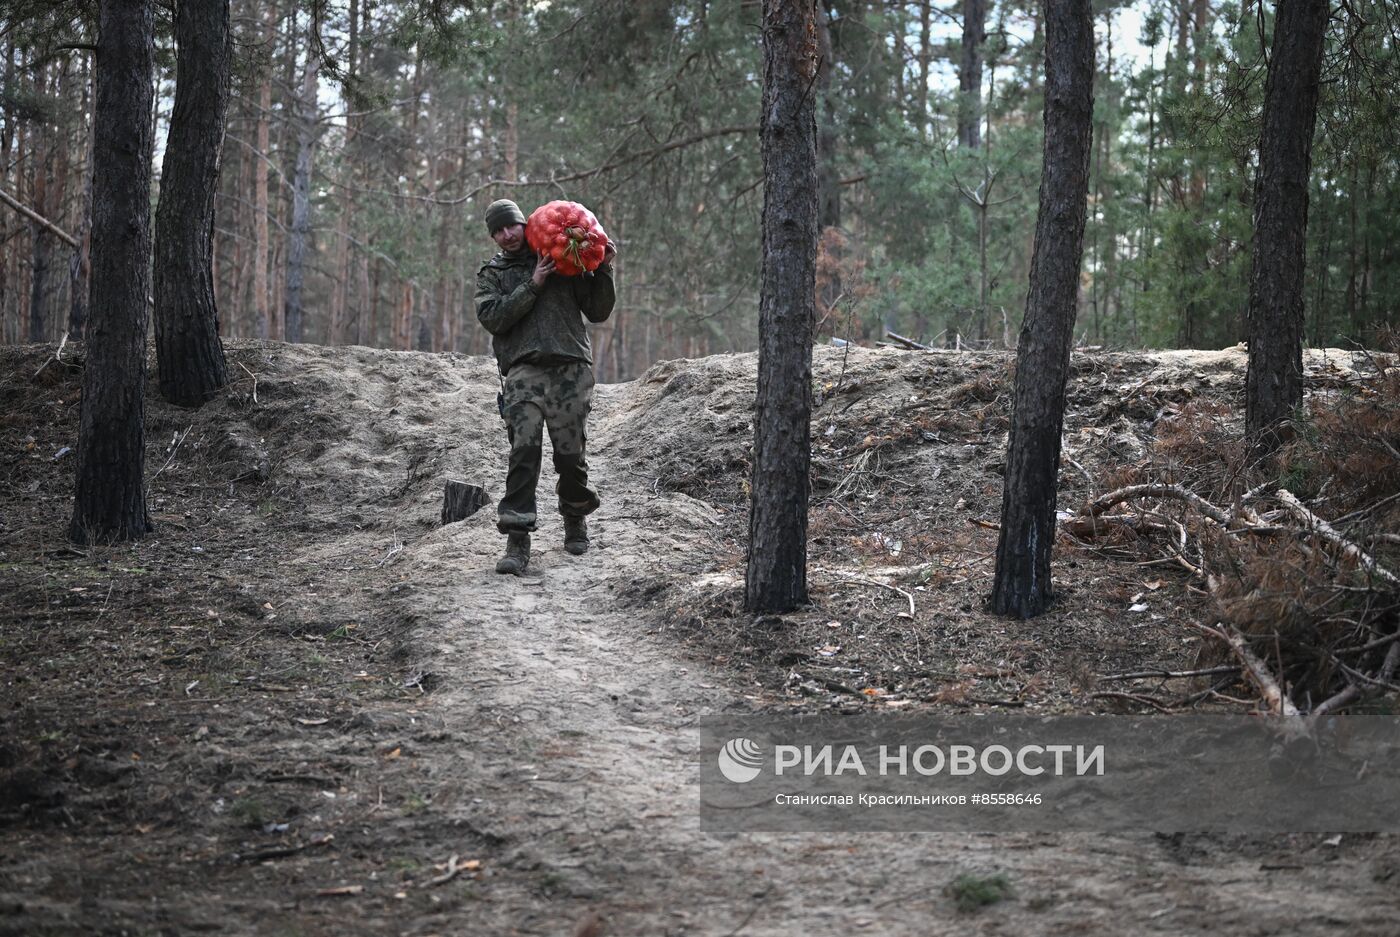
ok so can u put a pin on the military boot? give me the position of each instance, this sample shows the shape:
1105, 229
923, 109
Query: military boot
517, 554
576, 535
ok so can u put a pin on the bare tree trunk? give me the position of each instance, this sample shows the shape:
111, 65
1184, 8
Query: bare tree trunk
1022, 585
828, 178
925, 57
1200, 41
42, 161
110, 497
1274, 382
301, 189
80, 260
264, 315
776, 575
1350, 304
238, 316
189, 355
970, 73
7, 138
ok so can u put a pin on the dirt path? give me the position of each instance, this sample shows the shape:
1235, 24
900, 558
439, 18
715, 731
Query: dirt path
553, 739
578, 756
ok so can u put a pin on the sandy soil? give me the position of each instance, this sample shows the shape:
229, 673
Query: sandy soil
293, 706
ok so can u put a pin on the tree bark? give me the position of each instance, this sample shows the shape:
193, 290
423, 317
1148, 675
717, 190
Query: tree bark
42, 162
828, 176
1022, 584
970, 74
301, 190
189, 355
925, 57
80, 260
110, 497
264, 316
776, 575
1274, 381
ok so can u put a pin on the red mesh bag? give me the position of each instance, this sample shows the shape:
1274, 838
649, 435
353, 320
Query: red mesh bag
569, 233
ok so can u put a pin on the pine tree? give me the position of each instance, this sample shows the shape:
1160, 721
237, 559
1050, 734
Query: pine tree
1022, 583
189, 354
110, 500
776, 577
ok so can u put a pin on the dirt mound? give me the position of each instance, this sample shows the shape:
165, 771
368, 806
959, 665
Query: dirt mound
907, 457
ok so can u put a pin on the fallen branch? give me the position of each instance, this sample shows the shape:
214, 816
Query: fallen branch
1336, 702
453, 867
1157, 490
254, 393
38, 219
174, 448
1133, 697
906, 342
881, 585
1169, 674
1088, 527
282, 852
1362, 558
57, 356
1279, 704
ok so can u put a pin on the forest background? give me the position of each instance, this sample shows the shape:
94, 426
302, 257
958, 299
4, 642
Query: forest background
402, 119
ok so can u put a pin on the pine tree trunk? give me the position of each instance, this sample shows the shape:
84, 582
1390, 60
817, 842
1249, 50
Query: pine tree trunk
110, 497
7, 137
264, 316
1022, 585
776, 577
925, 57
80, 260
39, 235
970, 74
189, 354
828, 178
301, 191
1274, 382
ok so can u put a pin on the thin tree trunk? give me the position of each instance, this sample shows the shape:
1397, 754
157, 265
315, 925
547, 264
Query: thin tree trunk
970, 73
1274, 382
1351, 304
367, 310
301, 190
189, 355
828, 177
925, 57
266, 318
1022, 586
1323, 267
238, 317
42, 162
7, 138
776, 575
1200, 42
80, 260
110, 497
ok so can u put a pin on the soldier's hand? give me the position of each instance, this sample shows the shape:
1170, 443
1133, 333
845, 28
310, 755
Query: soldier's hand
543, 269
609, 252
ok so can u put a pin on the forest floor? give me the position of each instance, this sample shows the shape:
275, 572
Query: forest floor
304, 707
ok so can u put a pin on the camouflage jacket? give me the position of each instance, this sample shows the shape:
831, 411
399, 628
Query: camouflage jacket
540, 325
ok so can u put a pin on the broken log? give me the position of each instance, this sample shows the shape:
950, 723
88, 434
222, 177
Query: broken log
906, 342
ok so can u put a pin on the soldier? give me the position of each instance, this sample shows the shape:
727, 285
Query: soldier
536, 321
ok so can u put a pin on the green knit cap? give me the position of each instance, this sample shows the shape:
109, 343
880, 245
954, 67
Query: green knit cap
502, 212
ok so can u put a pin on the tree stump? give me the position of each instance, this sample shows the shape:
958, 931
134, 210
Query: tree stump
461, 500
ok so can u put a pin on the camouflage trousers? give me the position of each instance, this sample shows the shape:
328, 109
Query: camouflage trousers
558, 398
